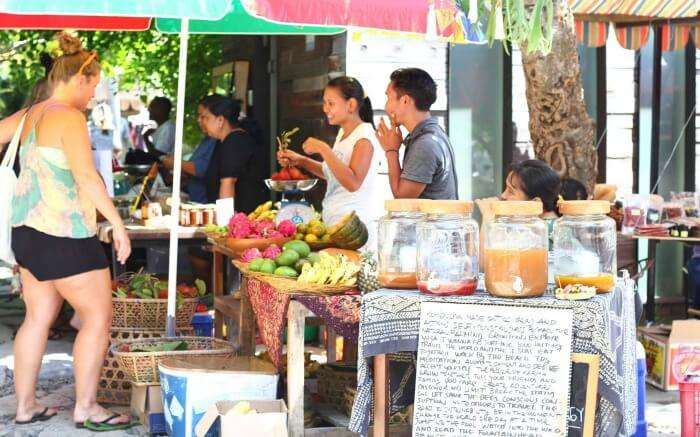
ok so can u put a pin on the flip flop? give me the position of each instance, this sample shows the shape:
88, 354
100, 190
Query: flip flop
38, 417
105, 426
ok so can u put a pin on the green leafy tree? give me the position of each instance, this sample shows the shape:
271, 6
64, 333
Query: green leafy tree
146, 60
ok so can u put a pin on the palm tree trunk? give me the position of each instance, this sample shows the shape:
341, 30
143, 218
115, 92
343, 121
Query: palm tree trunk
562, 133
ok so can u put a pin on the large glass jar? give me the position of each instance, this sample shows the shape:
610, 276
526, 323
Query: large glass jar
397, 244
515, 251
448, 248
584, 245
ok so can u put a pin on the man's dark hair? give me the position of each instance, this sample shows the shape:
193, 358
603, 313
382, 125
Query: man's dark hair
163, 103
417, 84
539, 180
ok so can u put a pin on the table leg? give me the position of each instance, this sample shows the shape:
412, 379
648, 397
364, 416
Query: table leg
218, 291
381, 396
246, 327
331, 353
651, 284
295, 368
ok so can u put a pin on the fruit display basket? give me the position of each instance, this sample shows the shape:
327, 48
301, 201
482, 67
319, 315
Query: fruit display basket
292, 286
150, 313
142, 367
293, 185
114, 386
239, 245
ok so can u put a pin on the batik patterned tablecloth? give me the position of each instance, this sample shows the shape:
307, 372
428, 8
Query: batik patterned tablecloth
341, 313
604, 325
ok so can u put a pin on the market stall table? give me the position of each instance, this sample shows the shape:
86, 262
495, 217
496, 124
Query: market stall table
272, 309
603, 325
651, 288
145, 237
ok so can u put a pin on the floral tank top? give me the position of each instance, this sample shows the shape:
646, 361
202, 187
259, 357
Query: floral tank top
46, 196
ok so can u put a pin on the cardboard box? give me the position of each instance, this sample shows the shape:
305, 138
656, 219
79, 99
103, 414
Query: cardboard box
662, 344
270, 420
147, 407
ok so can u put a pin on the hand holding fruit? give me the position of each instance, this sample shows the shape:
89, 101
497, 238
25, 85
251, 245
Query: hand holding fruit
287, 158
314, 146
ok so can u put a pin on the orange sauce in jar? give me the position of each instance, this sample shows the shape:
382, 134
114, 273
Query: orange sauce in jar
403, 280
603, 283
516, 273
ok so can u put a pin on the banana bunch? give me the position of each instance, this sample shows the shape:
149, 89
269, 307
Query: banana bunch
263, 212
330, 270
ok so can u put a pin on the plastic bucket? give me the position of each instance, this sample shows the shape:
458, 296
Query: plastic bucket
191, 385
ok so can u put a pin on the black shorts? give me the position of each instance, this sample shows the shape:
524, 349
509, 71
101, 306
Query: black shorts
48, 257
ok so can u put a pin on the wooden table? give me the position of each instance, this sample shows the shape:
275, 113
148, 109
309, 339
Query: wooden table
230, 310
650, 308
142, 237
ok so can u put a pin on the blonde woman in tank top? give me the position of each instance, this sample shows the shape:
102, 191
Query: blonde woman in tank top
350, 167
53, 237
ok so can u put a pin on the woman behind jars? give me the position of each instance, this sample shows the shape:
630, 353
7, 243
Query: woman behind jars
53, 236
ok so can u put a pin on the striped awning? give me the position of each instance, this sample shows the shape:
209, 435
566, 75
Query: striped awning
626, 10
634, 37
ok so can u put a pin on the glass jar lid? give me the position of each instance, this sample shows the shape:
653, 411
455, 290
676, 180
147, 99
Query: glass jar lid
584, 207
446, 206
402, 205
518, 208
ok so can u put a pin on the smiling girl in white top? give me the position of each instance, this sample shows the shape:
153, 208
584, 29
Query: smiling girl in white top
351, 166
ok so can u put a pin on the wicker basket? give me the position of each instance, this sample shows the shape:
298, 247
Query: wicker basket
150, 314
142, 367
291, 286
333, 380
114, 386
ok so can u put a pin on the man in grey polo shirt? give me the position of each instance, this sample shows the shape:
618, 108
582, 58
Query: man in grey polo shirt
428, 170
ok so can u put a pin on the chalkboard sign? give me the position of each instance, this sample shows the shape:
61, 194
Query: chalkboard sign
583, 396
492, 370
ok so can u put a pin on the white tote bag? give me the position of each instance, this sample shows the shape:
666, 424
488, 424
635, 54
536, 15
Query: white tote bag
8, 180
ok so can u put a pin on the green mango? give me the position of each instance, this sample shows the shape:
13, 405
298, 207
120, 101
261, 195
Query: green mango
287, 258
300, 247
300, 264
314, 257
256, 264
286, 271
268, 266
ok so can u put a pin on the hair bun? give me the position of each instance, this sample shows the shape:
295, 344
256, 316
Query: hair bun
68, 43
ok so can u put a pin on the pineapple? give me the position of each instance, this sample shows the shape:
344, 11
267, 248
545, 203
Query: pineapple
367, 277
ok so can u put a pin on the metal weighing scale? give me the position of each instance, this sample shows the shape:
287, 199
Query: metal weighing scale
293, 205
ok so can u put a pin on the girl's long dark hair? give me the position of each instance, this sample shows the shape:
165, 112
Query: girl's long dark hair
351, 88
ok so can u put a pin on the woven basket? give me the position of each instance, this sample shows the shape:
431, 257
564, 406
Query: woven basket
114, 386
142, 367
333, 380
291, 286
150, 314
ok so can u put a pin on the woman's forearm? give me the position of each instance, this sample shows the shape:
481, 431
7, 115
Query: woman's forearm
313, 166
345, 175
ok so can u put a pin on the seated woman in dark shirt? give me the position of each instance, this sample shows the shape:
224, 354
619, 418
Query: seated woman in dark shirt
237, 167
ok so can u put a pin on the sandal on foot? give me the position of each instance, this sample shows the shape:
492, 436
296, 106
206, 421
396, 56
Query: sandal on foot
105, 426
38, 417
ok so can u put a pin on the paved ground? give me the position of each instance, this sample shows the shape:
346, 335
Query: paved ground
56, 390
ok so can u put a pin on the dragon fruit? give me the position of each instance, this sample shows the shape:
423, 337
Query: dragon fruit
272, 252
275, 234
264, 227
239, 226
287, 228
251, 254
